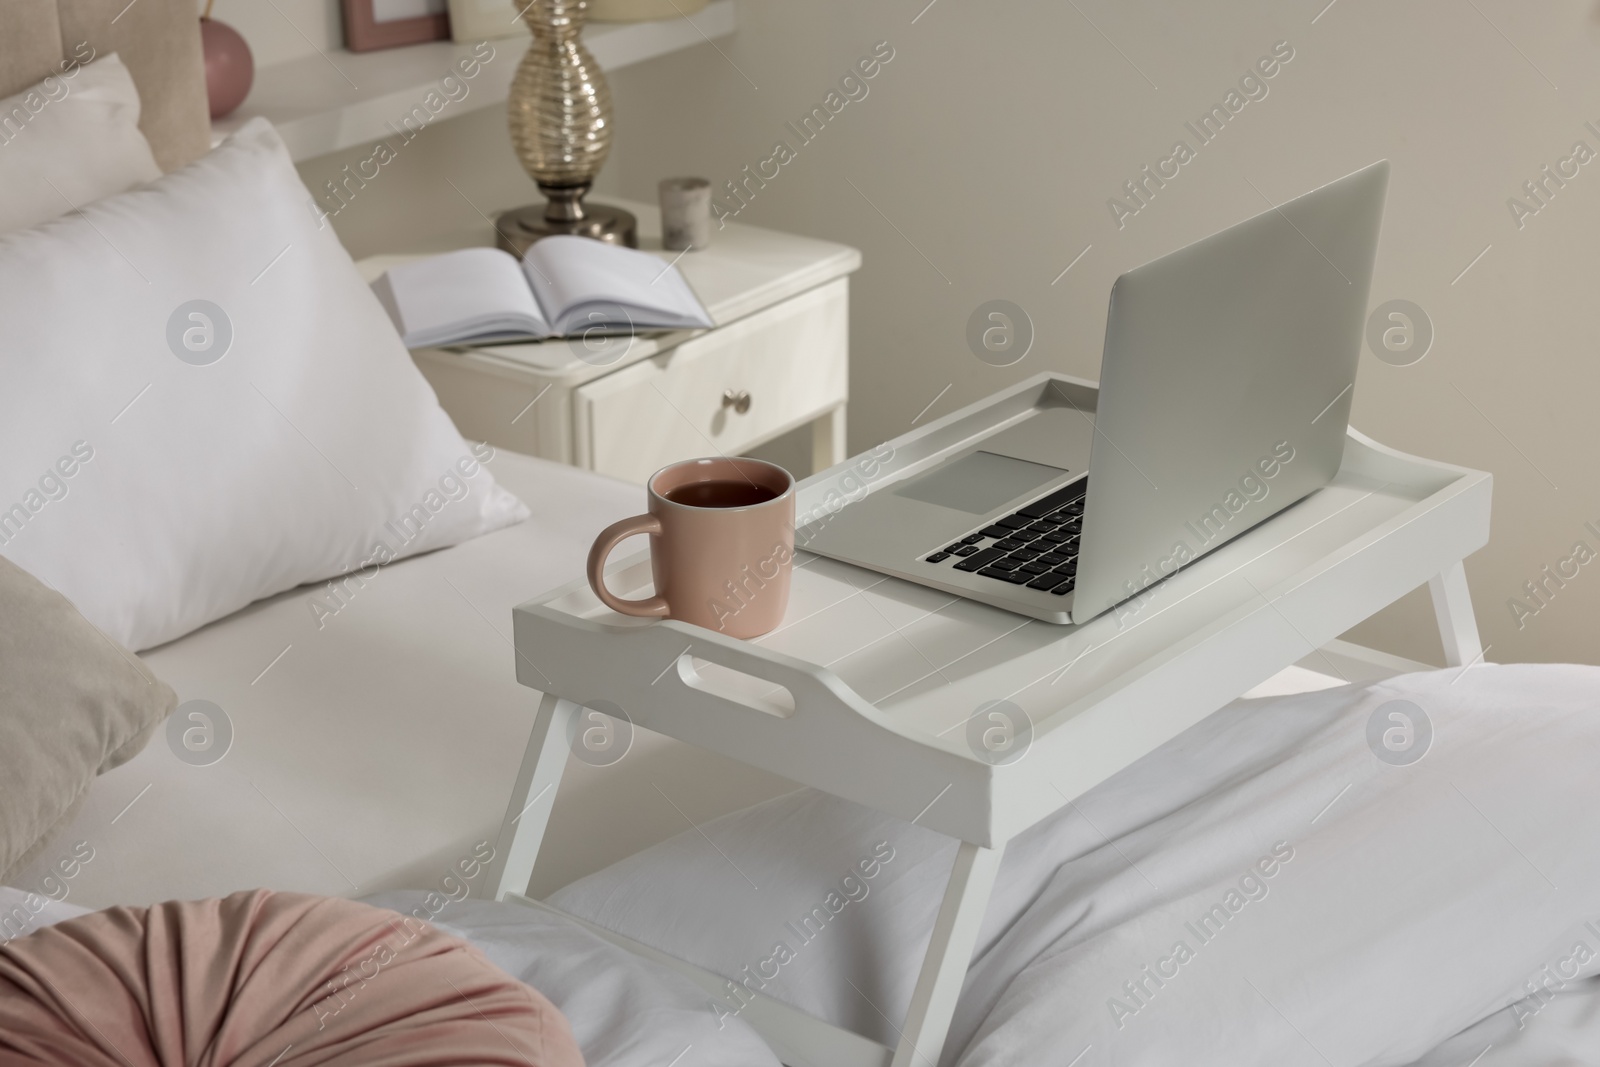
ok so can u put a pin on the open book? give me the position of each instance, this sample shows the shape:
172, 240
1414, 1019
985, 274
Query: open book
564, 286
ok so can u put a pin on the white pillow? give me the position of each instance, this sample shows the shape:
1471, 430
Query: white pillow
159, 491
69, 141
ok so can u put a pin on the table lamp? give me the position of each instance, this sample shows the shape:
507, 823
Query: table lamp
560, 112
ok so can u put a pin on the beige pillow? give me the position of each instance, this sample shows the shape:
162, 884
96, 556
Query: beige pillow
72, 705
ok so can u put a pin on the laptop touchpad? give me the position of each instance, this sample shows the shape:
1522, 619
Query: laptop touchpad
978, 482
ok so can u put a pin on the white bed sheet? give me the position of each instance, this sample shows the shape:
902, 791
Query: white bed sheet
24, 911
375, 747
370, 753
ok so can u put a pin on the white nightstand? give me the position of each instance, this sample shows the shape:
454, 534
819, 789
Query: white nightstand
777, 360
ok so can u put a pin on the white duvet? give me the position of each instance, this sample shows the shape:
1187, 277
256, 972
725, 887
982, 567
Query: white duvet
624, 1011
1264, 889
1336, 909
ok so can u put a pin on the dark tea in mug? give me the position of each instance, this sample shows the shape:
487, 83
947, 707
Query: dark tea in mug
720, 493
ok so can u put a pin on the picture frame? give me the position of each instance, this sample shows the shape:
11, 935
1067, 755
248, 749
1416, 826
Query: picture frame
370, 25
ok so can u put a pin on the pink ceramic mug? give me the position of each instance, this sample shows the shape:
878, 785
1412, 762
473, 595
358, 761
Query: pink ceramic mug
721, 543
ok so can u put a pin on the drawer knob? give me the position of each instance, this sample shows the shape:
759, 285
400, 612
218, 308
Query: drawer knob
739, 402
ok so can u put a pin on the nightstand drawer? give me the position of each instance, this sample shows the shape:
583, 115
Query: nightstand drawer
723, 392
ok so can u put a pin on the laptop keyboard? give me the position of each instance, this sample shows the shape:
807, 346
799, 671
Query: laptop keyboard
1035, 547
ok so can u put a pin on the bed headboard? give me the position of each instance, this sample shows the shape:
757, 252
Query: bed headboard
158, 40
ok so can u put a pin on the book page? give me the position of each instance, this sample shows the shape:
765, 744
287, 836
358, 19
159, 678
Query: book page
458, 294
571, 275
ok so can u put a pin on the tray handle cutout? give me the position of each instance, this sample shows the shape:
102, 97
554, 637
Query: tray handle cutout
747, 690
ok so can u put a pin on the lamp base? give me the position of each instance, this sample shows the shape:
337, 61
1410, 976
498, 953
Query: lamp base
520, 227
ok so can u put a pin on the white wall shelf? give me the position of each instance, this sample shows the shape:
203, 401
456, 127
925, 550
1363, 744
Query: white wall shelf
322, 103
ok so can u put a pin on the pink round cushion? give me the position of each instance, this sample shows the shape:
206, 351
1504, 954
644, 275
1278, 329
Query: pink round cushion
265, 979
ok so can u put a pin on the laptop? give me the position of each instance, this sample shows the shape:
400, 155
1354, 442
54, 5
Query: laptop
1225, 389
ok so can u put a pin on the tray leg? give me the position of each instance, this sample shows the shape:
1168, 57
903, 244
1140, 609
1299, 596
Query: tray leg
1458, 626
955, 932
532, 798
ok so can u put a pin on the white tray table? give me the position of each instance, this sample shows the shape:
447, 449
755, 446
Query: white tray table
871, 688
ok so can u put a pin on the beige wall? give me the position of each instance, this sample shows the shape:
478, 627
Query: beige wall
282, 29
994, 138
981, 161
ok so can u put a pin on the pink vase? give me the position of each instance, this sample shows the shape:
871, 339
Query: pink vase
229, 67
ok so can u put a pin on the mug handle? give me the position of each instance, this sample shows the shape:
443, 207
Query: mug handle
653, 607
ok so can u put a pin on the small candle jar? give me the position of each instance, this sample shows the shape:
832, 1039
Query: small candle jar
685, 214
